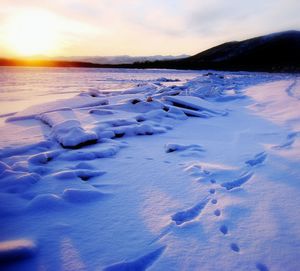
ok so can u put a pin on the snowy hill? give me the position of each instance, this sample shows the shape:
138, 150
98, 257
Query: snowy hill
274, 52
270, 50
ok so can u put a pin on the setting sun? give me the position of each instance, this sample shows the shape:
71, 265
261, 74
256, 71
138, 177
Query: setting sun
31, 33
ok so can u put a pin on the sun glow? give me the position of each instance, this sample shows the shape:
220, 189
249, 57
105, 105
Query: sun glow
32, 32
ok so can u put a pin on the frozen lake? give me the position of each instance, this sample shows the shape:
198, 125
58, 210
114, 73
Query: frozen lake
21, 87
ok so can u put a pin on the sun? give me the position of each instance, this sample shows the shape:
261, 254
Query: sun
32, 32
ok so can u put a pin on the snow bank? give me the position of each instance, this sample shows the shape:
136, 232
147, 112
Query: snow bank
67, 130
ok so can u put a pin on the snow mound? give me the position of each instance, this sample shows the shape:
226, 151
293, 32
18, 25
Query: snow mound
159, 114
67, 130
83, 174
106, 149
17, 182
44, 157
46, 202
15, 150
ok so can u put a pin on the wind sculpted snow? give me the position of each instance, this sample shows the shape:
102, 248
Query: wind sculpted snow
168, 174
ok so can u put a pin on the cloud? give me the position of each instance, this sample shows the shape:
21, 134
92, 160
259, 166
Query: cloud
106, 27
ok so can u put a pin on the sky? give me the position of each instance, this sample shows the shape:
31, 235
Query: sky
136, 27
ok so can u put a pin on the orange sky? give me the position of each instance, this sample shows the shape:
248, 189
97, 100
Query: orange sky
136, 27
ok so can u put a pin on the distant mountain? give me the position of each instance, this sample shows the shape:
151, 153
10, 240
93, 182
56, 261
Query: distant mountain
115, 60
274, 52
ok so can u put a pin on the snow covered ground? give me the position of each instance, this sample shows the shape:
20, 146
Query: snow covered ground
198, 174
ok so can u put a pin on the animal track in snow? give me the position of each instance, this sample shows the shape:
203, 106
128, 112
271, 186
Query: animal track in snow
257, 160
234, 247
217, 212
238, 182
261, 267
140, 264
224, 229
212, 191
189, 214
214, 201
291, 137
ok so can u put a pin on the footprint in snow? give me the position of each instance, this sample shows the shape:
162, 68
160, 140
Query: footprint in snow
234, 247
213, 181
290, 140
214, 201
224, 229
141, 263
217, 212
257, 160
261, 267
238, 182
189, 214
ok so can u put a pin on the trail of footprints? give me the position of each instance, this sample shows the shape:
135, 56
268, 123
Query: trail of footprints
217, 212
257, 160
192, 213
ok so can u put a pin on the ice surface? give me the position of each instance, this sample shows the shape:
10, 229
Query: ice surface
198, 174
